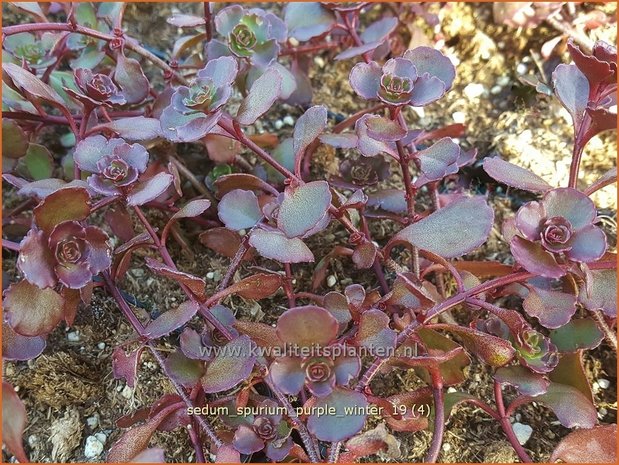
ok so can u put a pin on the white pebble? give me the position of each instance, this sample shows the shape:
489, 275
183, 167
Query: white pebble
495, 90
294, 42
503, 81
210, 275
474, 90
93, 421
101, 437
446, 447
73, 336
320, 62
523, 432
127, 392
602, 413
101, 345
33, 440
289, 120
93, 448
331, 280
278, 124
603, 383
521, 68
459, 117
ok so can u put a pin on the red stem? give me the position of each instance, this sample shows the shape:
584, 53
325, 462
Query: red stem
507, 426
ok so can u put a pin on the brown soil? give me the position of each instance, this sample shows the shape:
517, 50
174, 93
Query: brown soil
73, 380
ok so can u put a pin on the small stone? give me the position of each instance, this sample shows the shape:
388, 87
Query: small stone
451, 389
503, 81
278, 124
603, 383
127, 392
294, 42
523, 432
320, 62
446, 447
93, 448
73, 336
602, 413
331, 280
459, 117
210, 275
474, 90
521, 68
33, 440
288, 120
496, 90
93, 421
101, 437
101, 345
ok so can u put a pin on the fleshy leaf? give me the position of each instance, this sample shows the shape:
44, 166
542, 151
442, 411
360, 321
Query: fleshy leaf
249, 182
307, 325
534, 258
491, 349
391, 200
276, 246
595, 445
39, 162
257, 286
150, 189
350, 414
67, 204
150, 455
239, 209
183, 370
514, 176
602, 294
526, 382
125, 366
578, 334
223, 241
374, 332
14, 140
371, 442
437, 161
384, 129
572, 88
308, 127
14, 421
135, 128
571, 372
131, 79
261, 97
303, 208
230, 367
307, 19
553, 309
33, 311
18, 347
452, 231
32, 85
36, 261
570, 406
171, 320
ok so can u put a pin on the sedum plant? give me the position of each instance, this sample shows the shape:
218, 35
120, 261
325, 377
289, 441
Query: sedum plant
304, 386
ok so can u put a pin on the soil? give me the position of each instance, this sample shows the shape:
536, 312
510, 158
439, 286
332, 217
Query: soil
73, 382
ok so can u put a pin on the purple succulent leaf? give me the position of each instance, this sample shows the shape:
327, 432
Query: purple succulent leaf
321, 388
192, 209
246, 441
379, 30
227, 18
178, 127
185, 371
341, 141
14, 420
100, 185
32, 311
492, 350
125, 366
355, 295
191, 345
150, 189
571, 406
216, 49
600, 292
100, 253
594, 445
276, 246
89, 151
303, 93
261, 97
464, 225
391, 200
433, 62
534, 258
383, 129
227, 454
278, 453
427, 89
365, 79
437, 161
74, 275
364, 255
135, 128
16, 347
135, 155
529, 220
572, 89
32, 85
306, 20
307, 325
337, 305
367, 145
303, 208
128, 75
308, 127
264, 54
36, 261
359, 50
222, 71
526, 382
602, 119
553, 309
287, 374
171, 320
229, 368
587, 244
289, 81
374, 332
150, 455
343, 424
514, 176
346, 369
570, 204
239, 209
596, 69
45, 187
583, 333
